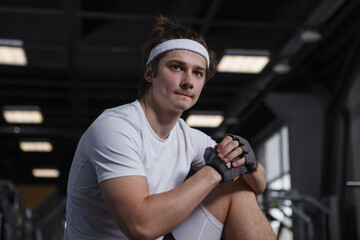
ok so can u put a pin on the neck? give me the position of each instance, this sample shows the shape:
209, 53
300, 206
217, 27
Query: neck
161, 122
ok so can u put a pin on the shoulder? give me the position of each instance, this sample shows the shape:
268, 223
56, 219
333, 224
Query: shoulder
115, 124
123, 117
122, 112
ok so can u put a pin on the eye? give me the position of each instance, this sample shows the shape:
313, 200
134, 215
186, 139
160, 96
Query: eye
175, 67
199, 73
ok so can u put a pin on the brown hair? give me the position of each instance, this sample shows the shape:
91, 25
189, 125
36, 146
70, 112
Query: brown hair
165, 29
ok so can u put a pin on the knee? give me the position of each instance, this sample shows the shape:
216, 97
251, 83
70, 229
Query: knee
235, 190
239, 191
238, 188
228, 194
229, 191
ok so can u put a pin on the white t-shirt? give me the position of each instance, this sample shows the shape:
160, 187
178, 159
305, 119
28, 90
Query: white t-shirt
121, 142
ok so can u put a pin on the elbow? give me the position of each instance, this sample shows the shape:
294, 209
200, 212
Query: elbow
142, 233
139, 232
136, 235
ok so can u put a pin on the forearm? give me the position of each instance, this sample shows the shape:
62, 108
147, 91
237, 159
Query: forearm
145, 216
173, 207
256, 180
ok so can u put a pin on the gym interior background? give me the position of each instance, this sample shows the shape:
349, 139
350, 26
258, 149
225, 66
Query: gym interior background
300, 108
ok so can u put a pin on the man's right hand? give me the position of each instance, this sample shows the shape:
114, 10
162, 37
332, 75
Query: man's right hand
215, 158
227, 172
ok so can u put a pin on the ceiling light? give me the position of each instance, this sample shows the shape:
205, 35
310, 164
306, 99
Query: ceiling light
12, 52
22, 114
243, 61
202, 120
45, 173
36, 146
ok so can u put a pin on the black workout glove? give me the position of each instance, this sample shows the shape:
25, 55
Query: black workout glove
230, 174
227, 174
251, 162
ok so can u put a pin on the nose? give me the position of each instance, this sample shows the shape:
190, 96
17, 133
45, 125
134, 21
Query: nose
187, 81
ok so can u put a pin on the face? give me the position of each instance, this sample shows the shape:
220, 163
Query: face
179, 80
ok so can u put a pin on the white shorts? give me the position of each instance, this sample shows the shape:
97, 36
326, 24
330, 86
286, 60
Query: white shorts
200, 225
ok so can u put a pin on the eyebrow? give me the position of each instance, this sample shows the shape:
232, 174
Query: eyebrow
184, 63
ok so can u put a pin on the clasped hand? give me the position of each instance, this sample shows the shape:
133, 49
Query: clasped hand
232, 157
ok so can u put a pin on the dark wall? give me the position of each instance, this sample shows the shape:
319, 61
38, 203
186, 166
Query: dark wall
324, 145
304, 116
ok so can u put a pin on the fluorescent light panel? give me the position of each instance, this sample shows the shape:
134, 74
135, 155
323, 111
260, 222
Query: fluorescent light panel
199, 120
243, 61
242, 64
45, 173
22, 115
36, 146
12, 56
12, 52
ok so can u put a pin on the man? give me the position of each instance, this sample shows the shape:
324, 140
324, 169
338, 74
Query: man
128, 177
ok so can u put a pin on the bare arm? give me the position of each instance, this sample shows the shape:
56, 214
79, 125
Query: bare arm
256, 180
143, 216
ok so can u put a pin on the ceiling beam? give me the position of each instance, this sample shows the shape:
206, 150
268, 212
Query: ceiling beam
258, 89
210, 15
30, 10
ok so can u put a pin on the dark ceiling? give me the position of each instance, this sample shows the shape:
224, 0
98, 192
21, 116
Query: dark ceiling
85, 56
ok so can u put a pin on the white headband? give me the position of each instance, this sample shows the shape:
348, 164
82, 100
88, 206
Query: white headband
185, 44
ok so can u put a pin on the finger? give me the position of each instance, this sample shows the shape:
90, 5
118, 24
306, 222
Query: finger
228, 149
223, 143
234, 154
228, 165
239, 162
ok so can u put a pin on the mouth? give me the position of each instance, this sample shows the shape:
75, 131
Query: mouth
183, 94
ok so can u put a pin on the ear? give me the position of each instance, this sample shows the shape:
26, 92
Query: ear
148, 74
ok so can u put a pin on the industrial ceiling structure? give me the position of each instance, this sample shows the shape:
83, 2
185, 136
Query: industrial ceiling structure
84, 56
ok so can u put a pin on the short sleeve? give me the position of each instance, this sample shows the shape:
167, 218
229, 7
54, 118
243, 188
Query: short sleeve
113, 146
